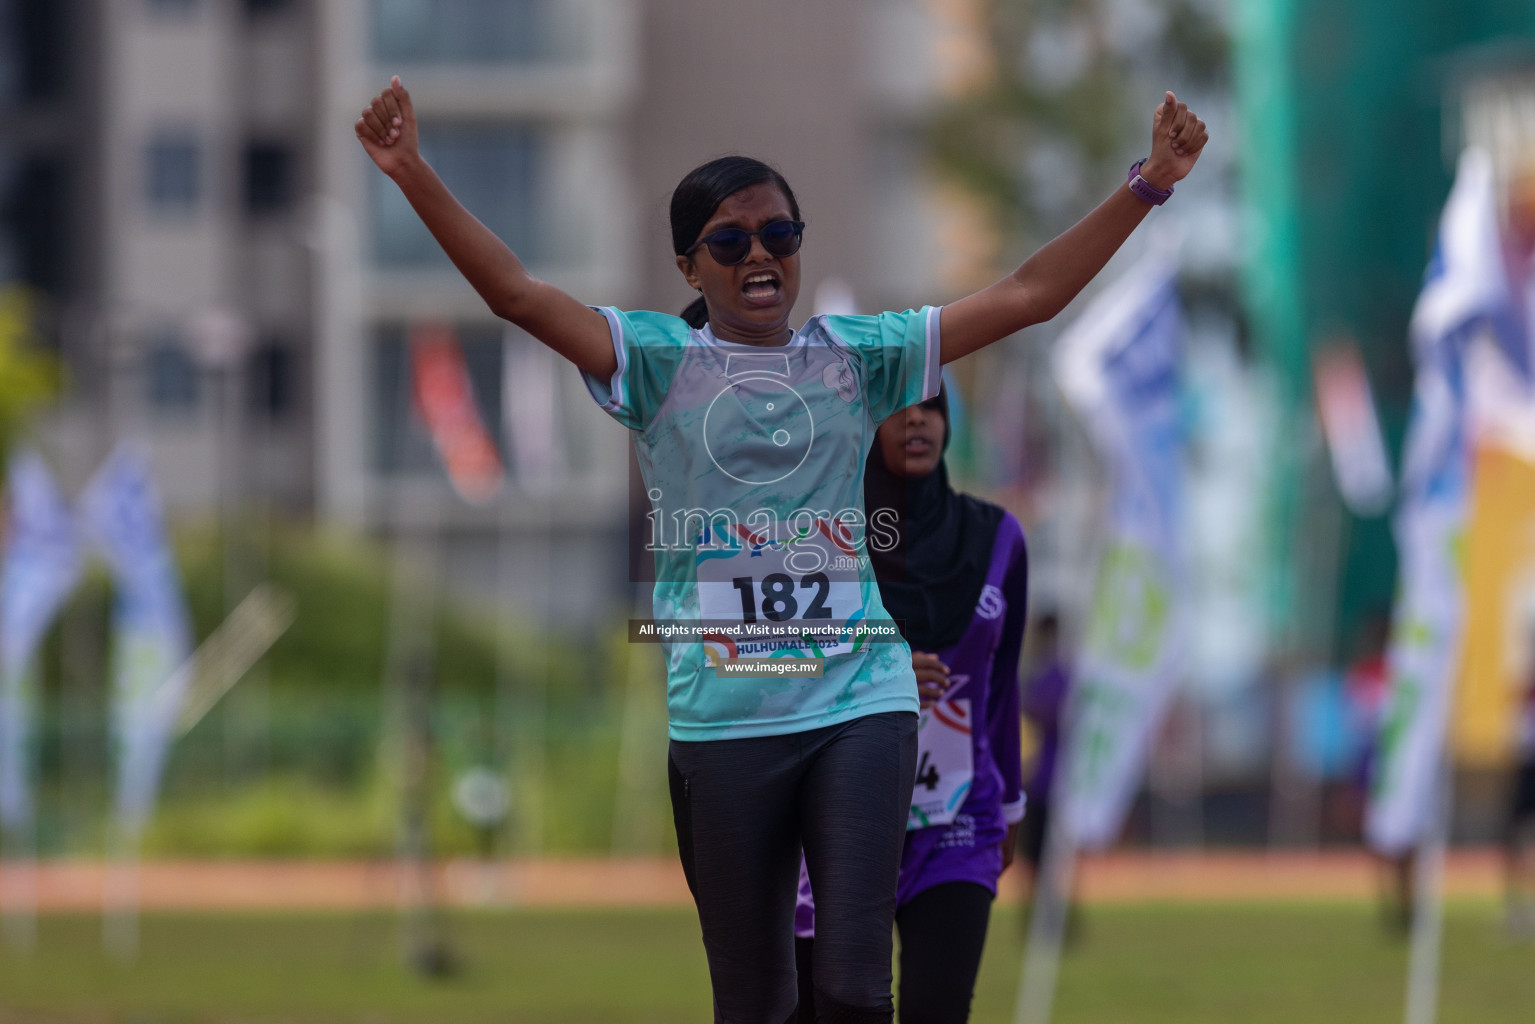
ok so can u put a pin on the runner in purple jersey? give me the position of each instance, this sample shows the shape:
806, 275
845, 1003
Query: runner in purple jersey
957, 576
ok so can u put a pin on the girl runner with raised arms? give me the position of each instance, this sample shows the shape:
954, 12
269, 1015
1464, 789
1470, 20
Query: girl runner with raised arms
958, 578
751, 438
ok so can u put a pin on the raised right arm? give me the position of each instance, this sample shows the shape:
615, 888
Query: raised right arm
387, 130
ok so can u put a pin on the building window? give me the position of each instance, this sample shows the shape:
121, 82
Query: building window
494, 173
401, 443
483, 31
269, 173
37, 38
172, 8
173, 172
270, 379
35, 212
172, 375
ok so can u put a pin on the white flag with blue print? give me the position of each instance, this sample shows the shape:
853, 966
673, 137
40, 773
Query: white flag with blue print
1465, 296
152, 636
1119, 367
41, 566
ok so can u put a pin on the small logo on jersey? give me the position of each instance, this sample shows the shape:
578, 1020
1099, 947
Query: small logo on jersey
841, 379
992, 604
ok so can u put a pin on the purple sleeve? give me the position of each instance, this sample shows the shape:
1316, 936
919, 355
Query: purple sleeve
1002, 714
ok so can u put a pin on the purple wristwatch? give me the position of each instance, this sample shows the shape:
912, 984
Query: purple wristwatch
1145, 190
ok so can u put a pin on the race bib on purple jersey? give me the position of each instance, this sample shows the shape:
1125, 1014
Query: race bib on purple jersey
945, 764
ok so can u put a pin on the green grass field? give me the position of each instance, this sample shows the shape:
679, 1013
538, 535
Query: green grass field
1204, 964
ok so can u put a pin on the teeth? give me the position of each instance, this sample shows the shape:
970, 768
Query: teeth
760, 279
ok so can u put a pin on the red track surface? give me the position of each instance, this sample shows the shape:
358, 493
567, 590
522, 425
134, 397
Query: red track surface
351, 885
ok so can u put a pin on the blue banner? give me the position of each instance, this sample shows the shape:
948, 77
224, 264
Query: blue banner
152, 635
41, 566
1465, 296
1119, 366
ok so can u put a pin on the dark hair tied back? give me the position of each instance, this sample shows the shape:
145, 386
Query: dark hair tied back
699, 194
696, 313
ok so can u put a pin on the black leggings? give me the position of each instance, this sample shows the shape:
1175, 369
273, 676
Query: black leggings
744, 809
943, 930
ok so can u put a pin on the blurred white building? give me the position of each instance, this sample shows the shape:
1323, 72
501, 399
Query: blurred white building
233, 282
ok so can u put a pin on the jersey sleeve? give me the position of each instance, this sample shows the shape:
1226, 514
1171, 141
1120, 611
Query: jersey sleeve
898, 355
1002, 711
649, 348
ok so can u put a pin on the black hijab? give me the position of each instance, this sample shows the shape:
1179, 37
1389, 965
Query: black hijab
933, 577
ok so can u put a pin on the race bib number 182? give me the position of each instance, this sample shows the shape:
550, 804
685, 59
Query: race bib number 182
796, 594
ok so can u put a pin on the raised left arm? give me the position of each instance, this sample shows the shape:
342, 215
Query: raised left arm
1052, 277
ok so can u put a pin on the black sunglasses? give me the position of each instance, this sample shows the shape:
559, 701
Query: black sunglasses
730, 246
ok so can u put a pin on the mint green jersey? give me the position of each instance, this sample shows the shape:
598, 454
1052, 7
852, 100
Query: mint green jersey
753, 459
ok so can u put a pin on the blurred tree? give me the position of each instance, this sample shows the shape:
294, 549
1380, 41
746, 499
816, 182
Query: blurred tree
1040, 129
28, 377
1068, 103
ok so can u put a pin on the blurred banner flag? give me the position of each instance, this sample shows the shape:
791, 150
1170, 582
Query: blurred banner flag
1119, 367
444, 399
1347, 411
1500, 570
41, 566
1500, 606
1465, 296
152, 640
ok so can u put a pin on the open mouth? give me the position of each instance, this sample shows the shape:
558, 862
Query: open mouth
761, 287
918, 446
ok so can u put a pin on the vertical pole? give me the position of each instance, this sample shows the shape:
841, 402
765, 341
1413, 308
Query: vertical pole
120, 894
225, 481
533, 762
18, 838
1047, 924
506, 719
124, 416
1428, 903
234, 470
412, 627
18, 892
405, 743
81, 664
